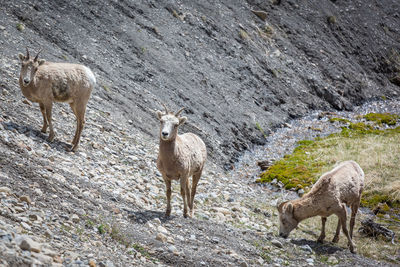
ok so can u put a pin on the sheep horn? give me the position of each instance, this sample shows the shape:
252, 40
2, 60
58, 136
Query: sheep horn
27, 52
179, 111
166, 109
37, 56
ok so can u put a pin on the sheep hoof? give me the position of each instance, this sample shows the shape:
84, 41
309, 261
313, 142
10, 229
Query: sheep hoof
320, 240
74, 148
50, 138
44, 130
335, 239
167, 213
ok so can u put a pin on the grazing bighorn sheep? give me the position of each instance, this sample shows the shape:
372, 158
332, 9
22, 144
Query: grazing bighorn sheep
180, 156
330, 194
47, 82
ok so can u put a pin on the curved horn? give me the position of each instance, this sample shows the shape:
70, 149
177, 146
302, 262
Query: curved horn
166, 109
27, 52
179, 111
37, 56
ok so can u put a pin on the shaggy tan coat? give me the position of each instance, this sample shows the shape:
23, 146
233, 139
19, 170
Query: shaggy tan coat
331, 193
180, 157
59, 82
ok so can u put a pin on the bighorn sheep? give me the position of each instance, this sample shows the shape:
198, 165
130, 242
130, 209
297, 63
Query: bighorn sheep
180, 156
331, 193
47, 82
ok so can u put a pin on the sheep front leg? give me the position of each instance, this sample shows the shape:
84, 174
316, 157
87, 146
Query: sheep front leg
168, 187
183, 194
43, 110
188, 197
48, 108
322, 236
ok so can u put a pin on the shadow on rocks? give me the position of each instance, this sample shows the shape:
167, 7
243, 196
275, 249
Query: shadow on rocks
318, 248
143, 216
28, 131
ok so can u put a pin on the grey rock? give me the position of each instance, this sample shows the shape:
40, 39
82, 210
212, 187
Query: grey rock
276, 243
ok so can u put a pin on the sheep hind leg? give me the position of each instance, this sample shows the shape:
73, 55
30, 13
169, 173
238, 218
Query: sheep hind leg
343, 217
354, 209
183, 194
80, 118
195, 181
45, 125
48, 108
322, 236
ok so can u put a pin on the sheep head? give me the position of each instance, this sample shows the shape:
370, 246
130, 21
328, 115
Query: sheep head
287, 221
169, 123
29, 66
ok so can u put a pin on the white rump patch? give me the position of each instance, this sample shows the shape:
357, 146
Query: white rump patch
90, 76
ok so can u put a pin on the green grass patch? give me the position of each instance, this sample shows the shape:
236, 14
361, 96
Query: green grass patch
332, 120
383, 118
297, 170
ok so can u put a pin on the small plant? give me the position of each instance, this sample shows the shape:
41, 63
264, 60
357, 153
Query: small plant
103, 228
331, 19
143, 49
142, 250
258, 126
268, 30
243, 34
89, 223
64, 57
20, 27
107, 88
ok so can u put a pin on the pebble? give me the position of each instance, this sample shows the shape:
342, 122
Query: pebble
306, 248
161, 237
276, 243
30, 245
5, 189
162, 230
173, 249
332, 260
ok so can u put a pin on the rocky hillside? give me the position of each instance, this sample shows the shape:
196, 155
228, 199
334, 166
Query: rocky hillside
239, 74
234, 71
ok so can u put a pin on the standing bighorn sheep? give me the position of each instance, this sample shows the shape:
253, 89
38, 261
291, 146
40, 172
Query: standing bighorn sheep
180, 156
47, 82
331, 193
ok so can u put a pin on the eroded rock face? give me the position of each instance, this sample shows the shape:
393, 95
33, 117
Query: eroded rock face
237, 74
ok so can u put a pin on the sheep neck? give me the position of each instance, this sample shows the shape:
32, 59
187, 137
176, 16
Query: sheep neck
305, 208
168, 149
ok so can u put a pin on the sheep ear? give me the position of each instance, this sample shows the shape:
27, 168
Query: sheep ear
182, 120
41, 61
289, 207
21, 56
280, 206
159, 114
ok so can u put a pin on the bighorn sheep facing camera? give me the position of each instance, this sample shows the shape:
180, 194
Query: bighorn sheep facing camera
47, 82
180, 156
330, 194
